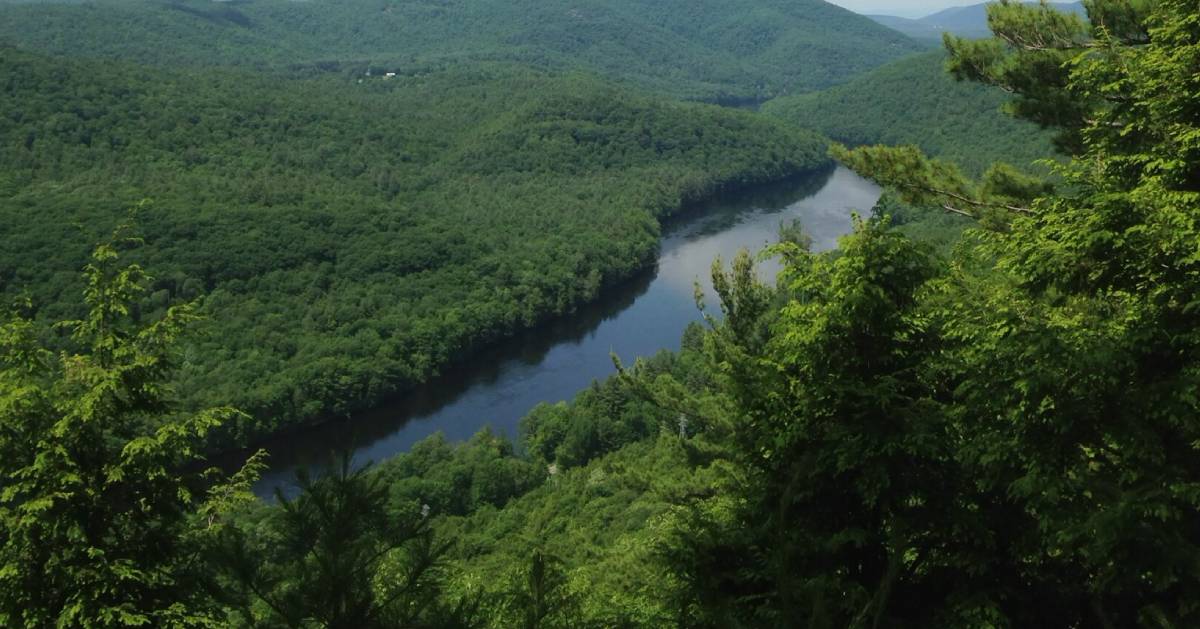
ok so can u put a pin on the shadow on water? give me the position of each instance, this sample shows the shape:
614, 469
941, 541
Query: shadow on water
317, 445
500, 384
727, 209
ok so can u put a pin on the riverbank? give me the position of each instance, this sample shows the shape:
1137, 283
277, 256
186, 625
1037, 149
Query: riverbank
555, 360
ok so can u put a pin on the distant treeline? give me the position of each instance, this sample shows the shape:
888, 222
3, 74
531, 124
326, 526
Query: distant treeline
698, 49
914, 101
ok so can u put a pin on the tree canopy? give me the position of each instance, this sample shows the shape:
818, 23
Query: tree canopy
914, 101
349, 239
1004, 434
728, 50
98, 519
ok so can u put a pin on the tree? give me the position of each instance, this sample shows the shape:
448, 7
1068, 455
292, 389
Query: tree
839, 470
540, 596
95, 512
1071, 327
337, 556
1007, 439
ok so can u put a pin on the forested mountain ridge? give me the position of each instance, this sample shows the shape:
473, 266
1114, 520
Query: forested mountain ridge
711, 50
884, 436
350, 238
972, 21
914, 101
915, 29
964, 21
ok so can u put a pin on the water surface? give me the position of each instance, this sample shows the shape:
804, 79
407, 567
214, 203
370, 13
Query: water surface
500, 384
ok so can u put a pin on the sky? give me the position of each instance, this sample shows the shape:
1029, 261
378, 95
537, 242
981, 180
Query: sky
902, 8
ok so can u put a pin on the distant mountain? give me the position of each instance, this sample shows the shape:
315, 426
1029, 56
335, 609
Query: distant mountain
967, 21
915, 29
703, 49
914, 101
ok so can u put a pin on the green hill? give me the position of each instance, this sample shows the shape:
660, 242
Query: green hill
914, 101
971, 20
916, 29
353, 237
965, 21
704, 49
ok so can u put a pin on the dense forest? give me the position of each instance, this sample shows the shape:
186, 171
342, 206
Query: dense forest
709, 50
888, 437
1001, 431
350, 238
914, 101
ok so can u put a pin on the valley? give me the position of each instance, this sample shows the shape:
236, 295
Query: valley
599, 313
554, 360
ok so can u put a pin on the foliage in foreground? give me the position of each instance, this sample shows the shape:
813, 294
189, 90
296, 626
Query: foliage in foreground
97, 522
106, 522
1007, 437
1039, 391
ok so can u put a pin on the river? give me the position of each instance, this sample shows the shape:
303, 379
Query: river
648, 313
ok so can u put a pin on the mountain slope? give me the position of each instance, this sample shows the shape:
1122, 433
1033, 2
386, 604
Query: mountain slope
965, 21
352, 238
971, 20
914, 101
710, 49
915, 29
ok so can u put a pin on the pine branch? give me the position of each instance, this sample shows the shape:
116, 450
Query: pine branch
964, 199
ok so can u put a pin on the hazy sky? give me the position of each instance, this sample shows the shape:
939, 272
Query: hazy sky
903, 8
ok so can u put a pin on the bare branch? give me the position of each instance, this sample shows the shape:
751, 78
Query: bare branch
951, 208
964, 199
1040, 45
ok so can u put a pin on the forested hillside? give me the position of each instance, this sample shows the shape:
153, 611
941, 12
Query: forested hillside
972, 20
916, 29
1005, 433
914, 101
965, 21
744, 49
348, 238
887, 437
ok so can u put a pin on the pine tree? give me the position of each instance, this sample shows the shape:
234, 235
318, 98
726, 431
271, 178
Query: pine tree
338, 556
1009, 438
96, 525
1071, 325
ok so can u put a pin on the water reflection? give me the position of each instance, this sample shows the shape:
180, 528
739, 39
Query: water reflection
500, 384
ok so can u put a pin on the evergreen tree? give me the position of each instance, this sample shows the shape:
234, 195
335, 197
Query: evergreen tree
1008, 439
95, 512
337, 556
541, 596
1072, 344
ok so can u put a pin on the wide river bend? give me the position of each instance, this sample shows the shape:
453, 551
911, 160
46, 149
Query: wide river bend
552, 362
